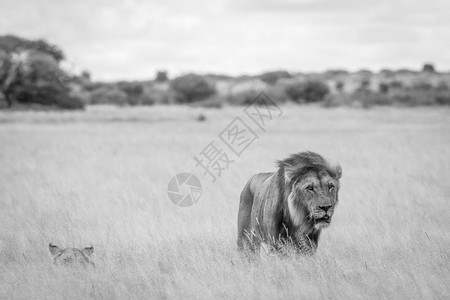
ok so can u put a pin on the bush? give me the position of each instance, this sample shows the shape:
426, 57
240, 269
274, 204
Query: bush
443, 97
191, 88
308, 91
38, 79
161, 76
340, 86
51, 95
70, 102
108, 95
417, 97
383, 88
212, 102
273, 77
340, 99
243, 98
152, 96
368, 98
429, 68
133, 90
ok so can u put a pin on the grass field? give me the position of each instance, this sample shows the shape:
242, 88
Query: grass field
100, 178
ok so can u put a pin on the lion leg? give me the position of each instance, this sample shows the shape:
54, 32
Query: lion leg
244, 237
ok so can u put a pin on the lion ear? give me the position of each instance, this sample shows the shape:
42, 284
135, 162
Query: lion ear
337, 172
88, 250
53, 249
288, 174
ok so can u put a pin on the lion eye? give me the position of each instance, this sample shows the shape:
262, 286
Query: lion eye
310, 188
330, 186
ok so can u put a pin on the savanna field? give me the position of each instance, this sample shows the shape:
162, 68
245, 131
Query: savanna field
99, 177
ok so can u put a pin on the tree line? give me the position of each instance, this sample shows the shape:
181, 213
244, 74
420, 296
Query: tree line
31, 74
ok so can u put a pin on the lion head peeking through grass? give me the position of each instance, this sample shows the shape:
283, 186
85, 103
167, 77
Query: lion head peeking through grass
71, 256
291, 205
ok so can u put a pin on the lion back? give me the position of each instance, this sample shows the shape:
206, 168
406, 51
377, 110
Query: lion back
249, 194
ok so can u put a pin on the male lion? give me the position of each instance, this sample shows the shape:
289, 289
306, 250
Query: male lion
291, 205
71, 256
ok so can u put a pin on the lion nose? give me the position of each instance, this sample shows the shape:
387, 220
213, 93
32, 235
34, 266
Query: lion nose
325, 208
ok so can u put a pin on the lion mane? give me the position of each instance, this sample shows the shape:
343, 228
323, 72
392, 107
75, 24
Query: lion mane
292, 204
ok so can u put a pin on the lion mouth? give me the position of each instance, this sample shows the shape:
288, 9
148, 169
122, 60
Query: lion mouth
324, 219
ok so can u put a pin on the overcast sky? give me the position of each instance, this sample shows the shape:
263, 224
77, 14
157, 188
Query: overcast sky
131, 39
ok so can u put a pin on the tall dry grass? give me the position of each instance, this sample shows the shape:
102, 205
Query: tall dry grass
100, 178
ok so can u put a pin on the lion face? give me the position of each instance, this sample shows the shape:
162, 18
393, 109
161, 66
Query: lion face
314, 197
71, 256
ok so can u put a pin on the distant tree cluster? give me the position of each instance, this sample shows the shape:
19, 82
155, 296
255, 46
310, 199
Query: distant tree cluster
308, 91
30, 73
191, 88
273, 77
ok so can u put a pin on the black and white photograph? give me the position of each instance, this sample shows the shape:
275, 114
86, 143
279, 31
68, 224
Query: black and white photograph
225, 149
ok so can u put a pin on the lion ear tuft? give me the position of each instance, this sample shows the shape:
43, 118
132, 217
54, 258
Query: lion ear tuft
337, 172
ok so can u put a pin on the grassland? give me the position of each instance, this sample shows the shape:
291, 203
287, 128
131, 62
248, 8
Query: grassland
100, 178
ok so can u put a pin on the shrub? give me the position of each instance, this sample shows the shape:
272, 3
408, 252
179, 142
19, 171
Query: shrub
273, 77
339, 86
212, 102
133, 90
243, 98
308, 91
429, 68
413, 97
190, 88
70, 102
161, 76
443, 97
108, 95
51, 95
364, 84
442, 86
368, 98
340, 99
147, 100
277, 93
38, 79
383, 88
396, 84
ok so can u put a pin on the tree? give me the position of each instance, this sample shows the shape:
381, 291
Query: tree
190, 88
13, 44
428, 68
30, 73
8, 75
308, 91
161, 76
40, 80
133, 90
108, 95
274, 76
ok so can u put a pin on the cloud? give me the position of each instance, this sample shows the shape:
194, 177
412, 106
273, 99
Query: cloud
132, 39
